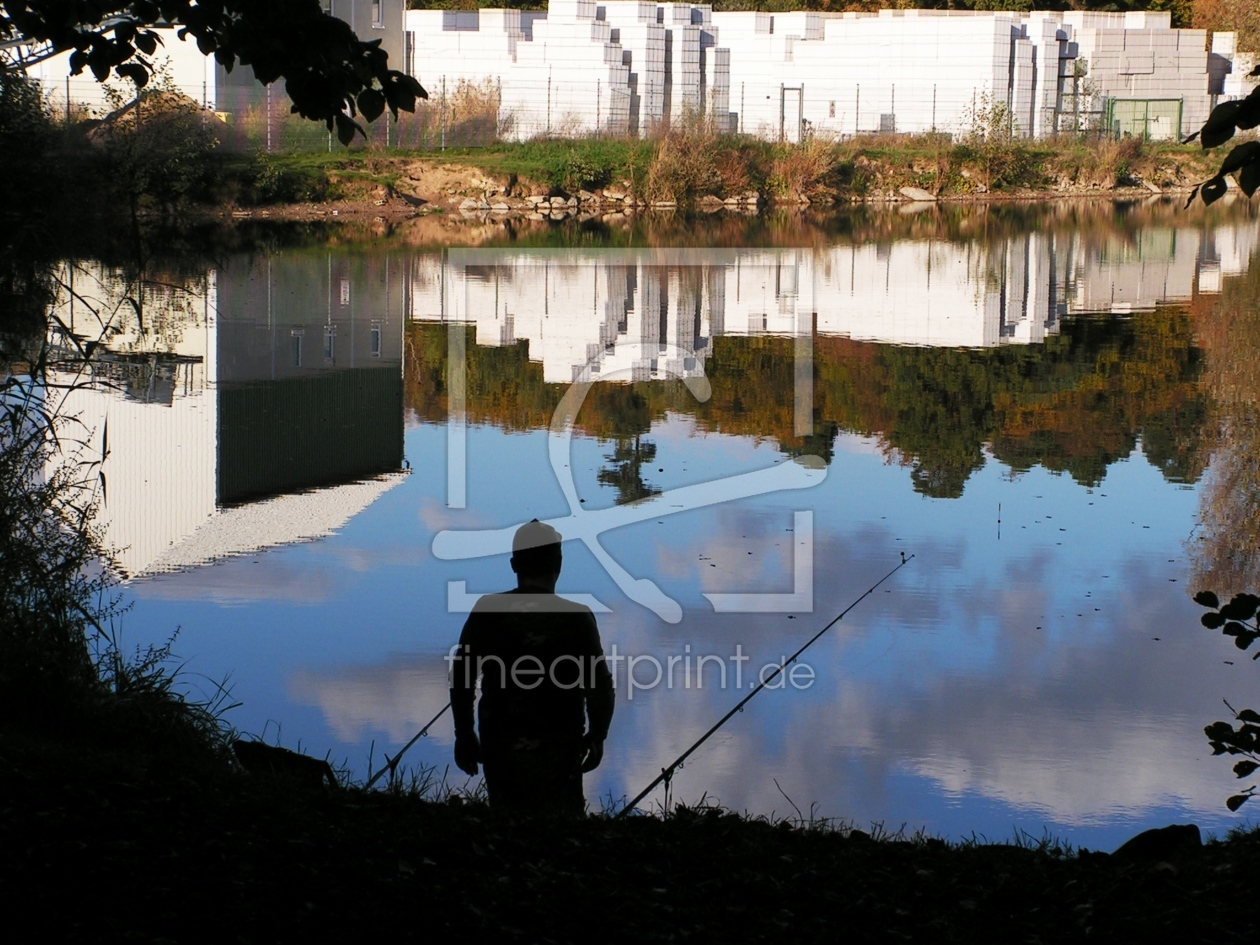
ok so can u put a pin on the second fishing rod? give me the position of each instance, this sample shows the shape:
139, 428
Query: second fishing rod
668, 772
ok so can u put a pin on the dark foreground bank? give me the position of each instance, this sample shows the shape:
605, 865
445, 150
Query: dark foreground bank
103, 844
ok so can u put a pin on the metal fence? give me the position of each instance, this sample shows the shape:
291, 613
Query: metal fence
1157, 119
464, 113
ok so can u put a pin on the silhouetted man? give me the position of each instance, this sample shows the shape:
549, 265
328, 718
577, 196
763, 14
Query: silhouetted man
546, 692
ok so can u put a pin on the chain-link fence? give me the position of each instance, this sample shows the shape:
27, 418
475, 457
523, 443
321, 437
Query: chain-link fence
463, 112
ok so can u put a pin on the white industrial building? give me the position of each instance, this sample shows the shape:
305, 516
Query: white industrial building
632, 66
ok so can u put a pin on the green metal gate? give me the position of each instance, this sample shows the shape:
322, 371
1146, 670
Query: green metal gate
1154, 119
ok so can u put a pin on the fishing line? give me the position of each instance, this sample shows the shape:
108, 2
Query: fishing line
392, 763
668, 773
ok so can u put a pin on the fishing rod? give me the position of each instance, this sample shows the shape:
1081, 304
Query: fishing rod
667, 773
392, 763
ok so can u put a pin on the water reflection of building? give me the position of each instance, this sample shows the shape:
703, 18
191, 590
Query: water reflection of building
608, 308
223, 395
309, 372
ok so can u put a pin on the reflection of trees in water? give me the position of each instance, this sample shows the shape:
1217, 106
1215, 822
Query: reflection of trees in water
625, 474
1226, 556
1076, 403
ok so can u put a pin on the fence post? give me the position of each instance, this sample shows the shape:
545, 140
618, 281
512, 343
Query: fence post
443, 113
268, 109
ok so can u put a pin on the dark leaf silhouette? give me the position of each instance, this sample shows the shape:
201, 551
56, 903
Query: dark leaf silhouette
1249, 178
1244, 768
1213, 190
1219, 127
1249, 715
346, 127
1240, 607
372, 104
1212, 620
401, 92
1207, 599
135, 72
1237, 801
148, 41
1243, 154
1249, 111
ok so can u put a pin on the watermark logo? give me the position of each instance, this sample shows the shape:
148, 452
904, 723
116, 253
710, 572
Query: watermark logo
624, 360
633, 672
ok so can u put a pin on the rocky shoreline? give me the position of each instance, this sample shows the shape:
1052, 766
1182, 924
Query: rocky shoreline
461, 193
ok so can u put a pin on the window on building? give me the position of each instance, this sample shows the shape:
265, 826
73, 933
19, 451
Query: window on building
330, 343
296, 346
376, 339
378, 16
345, 291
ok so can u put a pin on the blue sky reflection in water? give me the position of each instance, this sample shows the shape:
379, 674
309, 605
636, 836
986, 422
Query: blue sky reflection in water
1042, 674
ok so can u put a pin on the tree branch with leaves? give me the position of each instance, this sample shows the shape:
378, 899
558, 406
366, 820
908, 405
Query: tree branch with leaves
329, 74
1244, 160
1236, 619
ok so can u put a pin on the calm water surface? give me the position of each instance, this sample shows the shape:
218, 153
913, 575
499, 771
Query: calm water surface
312, 450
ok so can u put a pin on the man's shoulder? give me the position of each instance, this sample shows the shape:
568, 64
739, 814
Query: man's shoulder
517, 602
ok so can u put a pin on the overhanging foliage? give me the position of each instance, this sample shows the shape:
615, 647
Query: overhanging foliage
329, 73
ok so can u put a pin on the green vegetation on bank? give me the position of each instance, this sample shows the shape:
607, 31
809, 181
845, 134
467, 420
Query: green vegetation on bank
163, 157
683, 168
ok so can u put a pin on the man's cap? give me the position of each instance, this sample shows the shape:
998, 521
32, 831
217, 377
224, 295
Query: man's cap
534, 534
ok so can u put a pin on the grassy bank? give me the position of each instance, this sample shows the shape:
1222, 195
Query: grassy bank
106, 842
689, 169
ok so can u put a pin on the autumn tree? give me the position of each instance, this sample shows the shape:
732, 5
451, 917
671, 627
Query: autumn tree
1238, 16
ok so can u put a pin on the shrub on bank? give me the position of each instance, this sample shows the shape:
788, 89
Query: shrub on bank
63, 673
